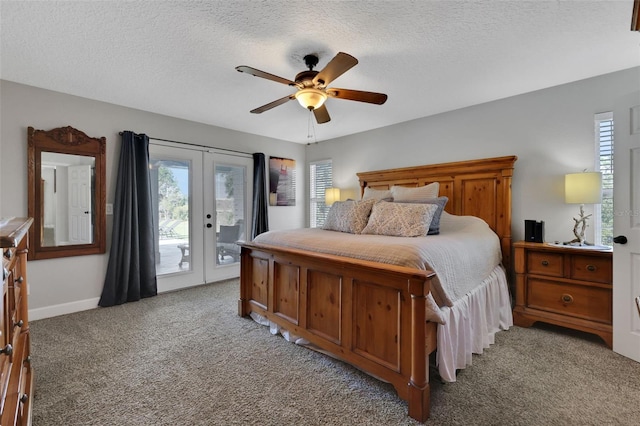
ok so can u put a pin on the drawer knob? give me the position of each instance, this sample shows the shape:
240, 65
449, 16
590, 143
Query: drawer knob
19, 280
567, 298
8, 350
18, 324
7, 254
27, 360
545, 263
24, 398
591, 268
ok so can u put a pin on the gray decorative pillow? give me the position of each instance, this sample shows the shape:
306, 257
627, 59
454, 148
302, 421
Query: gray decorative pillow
434, 227
400, 219
349, 216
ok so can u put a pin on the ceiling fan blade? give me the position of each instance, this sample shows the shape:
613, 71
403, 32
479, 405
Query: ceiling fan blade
340, 64
257, 73
322, 115
273, 104
357, 95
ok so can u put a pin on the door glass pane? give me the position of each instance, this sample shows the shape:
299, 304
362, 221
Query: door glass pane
170, 197
230, 212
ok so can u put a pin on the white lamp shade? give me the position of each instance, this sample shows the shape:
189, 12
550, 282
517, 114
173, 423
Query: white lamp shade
311, 98
583, 188
331, 195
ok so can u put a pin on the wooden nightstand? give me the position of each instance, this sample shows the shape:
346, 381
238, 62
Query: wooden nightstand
570, 287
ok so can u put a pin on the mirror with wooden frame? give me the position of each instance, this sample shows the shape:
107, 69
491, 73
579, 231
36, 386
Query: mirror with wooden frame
67, 193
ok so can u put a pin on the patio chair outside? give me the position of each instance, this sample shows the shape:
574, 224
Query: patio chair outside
168, 231
227, 243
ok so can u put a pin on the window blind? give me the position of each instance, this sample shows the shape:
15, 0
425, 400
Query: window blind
604, 147
320, 178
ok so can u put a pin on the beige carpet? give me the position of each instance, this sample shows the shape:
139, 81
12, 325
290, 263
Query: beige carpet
186, 358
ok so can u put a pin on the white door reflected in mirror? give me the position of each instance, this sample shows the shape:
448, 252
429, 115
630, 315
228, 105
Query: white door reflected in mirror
67, 185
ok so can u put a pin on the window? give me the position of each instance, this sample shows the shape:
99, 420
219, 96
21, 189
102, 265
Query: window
604, 163
320, 178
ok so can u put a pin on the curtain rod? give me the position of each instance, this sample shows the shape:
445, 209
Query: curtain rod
198, 145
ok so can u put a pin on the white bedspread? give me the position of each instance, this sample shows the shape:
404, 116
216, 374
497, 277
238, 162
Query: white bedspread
462, 255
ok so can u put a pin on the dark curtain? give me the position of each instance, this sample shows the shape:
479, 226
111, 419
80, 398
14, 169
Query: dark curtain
260, 218
131, 272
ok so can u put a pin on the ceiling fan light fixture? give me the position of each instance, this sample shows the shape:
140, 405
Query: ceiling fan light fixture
311, 98
312, 86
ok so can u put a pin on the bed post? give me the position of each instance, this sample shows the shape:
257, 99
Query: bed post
419, 391
505, 225
245, 261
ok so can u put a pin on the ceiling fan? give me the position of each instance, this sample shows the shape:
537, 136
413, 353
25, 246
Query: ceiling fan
312, 86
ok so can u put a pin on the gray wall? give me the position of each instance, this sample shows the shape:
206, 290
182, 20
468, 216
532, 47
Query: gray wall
551, 131
58, 282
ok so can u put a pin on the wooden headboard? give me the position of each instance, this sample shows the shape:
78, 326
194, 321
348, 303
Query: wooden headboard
479, 188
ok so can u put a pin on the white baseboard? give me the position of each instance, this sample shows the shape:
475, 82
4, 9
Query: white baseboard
63, 309
85, 305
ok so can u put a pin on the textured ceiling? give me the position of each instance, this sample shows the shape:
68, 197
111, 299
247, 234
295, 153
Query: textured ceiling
178, 57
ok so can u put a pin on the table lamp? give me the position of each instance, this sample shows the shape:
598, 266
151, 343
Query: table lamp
582, 188
331, 195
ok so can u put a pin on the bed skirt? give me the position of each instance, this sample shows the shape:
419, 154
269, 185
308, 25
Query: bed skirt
470, 325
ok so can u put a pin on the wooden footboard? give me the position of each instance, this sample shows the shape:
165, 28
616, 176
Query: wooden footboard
368, 314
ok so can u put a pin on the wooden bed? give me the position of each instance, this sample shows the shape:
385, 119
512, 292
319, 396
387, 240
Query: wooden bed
368, 314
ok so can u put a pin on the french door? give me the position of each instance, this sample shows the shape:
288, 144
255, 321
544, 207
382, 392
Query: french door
201, 200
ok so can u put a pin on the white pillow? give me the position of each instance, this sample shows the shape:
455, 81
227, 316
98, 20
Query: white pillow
400, 220
348, 216
403, 194
376, 194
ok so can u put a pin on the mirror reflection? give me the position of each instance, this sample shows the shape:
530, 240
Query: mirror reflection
67, 187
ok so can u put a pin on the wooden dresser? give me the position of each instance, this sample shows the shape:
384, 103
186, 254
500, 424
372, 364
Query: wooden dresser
570, 287
16, 375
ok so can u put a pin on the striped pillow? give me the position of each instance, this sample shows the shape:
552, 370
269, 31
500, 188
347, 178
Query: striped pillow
402, 194
376, 194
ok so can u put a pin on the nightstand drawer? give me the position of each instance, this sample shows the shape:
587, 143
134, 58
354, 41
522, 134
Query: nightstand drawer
542, 263
591, 303
590, 268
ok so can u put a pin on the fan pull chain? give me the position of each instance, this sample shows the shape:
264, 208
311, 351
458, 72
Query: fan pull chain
311, 129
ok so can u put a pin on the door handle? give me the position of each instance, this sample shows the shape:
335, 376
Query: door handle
620, 239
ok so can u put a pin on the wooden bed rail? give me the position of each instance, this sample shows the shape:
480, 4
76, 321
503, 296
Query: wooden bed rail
368, 314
